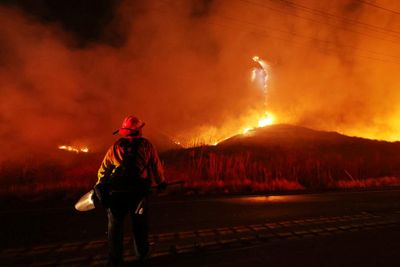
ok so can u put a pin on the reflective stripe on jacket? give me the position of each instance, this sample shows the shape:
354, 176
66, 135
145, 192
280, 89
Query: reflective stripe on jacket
147, 160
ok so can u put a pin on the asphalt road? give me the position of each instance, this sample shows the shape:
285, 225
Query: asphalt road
369, 248
376, 246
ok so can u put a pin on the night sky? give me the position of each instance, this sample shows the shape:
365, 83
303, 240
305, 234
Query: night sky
88, 21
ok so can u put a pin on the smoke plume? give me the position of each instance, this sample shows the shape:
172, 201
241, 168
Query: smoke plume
184, 68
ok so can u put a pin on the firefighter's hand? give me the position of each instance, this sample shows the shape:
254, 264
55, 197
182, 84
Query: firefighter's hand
161, 187
95, 200
102, 194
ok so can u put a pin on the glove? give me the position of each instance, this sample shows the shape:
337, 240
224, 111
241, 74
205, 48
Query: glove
102, 193
95, 199
161, 187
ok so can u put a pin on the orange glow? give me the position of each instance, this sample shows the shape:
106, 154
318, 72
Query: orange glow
266, 199
242, 125
260, 75
268, 119
213, 136
74, 149
247, 130
198, 86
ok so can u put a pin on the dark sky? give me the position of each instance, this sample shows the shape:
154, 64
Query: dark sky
87, 20
90, 21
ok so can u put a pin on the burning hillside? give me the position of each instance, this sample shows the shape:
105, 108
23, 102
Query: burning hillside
280, 157
204, 73
72, 71
276, 157
284, 134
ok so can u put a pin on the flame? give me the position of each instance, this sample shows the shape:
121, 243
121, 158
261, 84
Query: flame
245, 124
247, 130
260, 75
74, 149
268, 119
84, 150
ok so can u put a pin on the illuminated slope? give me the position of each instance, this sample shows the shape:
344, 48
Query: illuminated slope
289, 135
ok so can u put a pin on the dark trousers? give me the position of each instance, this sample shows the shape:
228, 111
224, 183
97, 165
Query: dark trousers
140, 227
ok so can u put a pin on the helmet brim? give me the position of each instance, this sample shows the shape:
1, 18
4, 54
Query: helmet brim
126, 131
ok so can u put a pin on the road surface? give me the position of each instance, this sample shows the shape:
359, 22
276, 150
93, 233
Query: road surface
327, 229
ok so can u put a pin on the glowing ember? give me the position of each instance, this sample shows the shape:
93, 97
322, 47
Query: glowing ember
74, 149
176, 142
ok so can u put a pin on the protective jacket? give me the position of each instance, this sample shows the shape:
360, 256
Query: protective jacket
134, 156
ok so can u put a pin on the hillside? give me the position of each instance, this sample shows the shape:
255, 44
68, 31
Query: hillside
278, 157
290, 135
306, 157
53, 169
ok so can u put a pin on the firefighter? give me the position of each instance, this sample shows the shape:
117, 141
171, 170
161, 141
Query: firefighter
125, 177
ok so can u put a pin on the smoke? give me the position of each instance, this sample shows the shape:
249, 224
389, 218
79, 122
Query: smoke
184, 68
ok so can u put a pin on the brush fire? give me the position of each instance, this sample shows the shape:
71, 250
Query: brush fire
259, 118
202, 75
259, 77
74, 149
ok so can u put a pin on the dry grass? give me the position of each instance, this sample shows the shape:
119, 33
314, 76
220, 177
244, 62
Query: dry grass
38, 177
369, 182
211, 170
212, 173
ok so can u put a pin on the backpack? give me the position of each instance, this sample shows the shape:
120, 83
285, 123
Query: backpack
128, 177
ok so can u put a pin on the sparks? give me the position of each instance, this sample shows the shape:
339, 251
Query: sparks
259, 74
260, 78
257, 119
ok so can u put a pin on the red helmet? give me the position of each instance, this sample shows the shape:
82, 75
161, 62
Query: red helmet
129, 125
